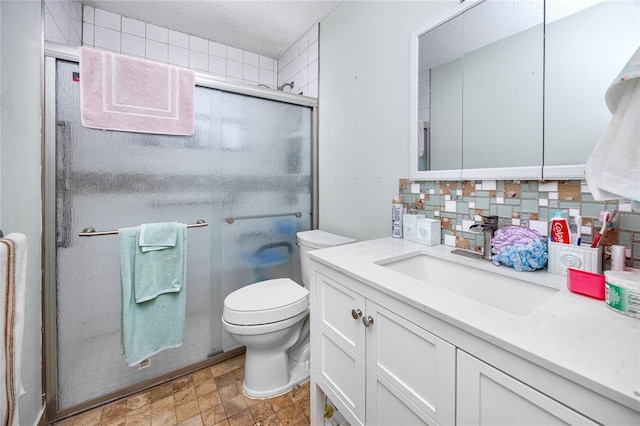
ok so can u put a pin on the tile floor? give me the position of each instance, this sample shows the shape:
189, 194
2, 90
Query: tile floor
209, 397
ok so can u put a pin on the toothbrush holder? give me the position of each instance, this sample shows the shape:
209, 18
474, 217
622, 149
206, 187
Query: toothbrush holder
563, 256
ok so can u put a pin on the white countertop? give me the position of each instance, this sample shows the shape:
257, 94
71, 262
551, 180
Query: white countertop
574, 336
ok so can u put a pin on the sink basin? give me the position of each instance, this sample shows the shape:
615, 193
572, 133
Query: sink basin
507, 293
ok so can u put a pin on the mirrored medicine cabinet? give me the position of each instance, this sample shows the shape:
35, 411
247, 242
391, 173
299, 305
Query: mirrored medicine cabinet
505, 89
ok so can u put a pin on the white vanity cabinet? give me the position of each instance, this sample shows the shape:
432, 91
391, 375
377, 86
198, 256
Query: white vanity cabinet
383, 359
487, 396
375, 365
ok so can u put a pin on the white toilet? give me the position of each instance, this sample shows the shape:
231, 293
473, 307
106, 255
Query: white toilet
271, 319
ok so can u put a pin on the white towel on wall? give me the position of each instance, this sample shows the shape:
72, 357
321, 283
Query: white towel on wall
613, 169
13, 271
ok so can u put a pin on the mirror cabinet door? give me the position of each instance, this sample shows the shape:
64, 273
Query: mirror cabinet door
515, 89
440, 98
587, 44
503, 86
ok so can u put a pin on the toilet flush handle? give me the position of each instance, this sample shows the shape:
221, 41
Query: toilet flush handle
356, 313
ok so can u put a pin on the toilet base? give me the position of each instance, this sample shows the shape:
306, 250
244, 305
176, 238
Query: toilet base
298, 374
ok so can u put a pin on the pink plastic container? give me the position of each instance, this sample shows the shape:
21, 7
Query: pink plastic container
586, 283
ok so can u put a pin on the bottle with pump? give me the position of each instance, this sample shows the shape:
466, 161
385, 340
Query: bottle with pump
560, 229
396, 217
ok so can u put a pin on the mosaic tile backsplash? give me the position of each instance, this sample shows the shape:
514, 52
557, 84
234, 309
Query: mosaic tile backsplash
458, 205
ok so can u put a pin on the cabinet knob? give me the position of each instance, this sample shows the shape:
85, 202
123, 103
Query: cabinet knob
356, 313
367, 321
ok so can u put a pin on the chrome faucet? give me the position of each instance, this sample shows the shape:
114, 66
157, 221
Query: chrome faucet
488, 226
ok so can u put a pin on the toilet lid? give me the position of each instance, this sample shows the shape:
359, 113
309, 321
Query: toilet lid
265, 302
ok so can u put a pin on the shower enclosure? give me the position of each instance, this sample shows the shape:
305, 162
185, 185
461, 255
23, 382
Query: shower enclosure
246, 171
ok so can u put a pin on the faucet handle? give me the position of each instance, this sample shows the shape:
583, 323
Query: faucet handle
490, 220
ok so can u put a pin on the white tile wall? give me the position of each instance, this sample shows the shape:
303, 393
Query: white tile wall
154, 50
133, 45
153, 32
300, 65
69, 22
63, 22
217, 49
178, 56
133, 27
105, 19
106, 38
198, 61
179, 39
424, 88
106, 30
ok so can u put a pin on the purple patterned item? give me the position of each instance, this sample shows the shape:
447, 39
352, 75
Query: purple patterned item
521, 248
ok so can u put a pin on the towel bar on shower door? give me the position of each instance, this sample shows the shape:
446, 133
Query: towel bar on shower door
232, 219
91, 232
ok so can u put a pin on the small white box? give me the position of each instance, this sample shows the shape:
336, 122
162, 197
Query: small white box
409, 227
563, 256
428, 231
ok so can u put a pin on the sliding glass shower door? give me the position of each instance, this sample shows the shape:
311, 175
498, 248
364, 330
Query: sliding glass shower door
246, 171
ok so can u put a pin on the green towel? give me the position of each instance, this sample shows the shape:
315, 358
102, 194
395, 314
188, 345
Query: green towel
159, 264
158, 236
156, 324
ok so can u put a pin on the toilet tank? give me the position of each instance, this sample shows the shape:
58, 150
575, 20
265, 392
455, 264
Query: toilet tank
312, 240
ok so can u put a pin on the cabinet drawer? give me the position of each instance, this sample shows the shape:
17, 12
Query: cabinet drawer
344, 373
336, 303
388, 406
417, 363
487, 396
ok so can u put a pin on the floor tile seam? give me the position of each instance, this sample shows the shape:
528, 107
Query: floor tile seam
163, 411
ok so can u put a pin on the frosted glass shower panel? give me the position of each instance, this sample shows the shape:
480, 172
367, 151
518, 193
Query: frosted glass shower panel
248, 157
266, 178
110, 180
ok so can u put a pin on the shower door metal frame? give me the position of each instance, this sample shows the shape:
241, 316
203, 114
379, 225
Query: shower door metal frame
49, 337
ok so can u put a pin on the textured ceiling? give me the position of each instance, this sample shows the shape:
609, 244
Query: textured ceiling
267, 27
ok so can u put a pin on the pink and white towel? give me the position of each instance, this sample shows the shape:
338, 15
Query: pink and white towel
13, 272
123, 93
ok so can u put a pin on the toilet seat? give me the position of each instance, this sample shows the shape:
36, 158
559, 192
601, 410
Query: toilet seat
265, 302
255, 330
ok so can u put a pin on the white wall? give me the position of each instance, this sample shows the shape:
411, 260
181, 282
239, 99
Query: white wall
20, 203
364, 111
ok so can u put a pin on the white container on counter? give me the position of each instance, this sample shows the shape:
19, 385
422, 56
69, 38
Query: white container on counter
427, 231
618, 257
409, 223
622, 292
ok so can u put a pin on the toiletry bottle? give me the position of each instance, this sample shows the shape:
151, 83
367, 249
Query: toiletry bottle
618, 257
560, 229
396, 217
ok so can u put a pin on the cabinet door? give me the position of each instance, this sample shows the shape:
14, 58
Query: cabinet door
337, 306
415, 362
487, 396
387, 406
341, 364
